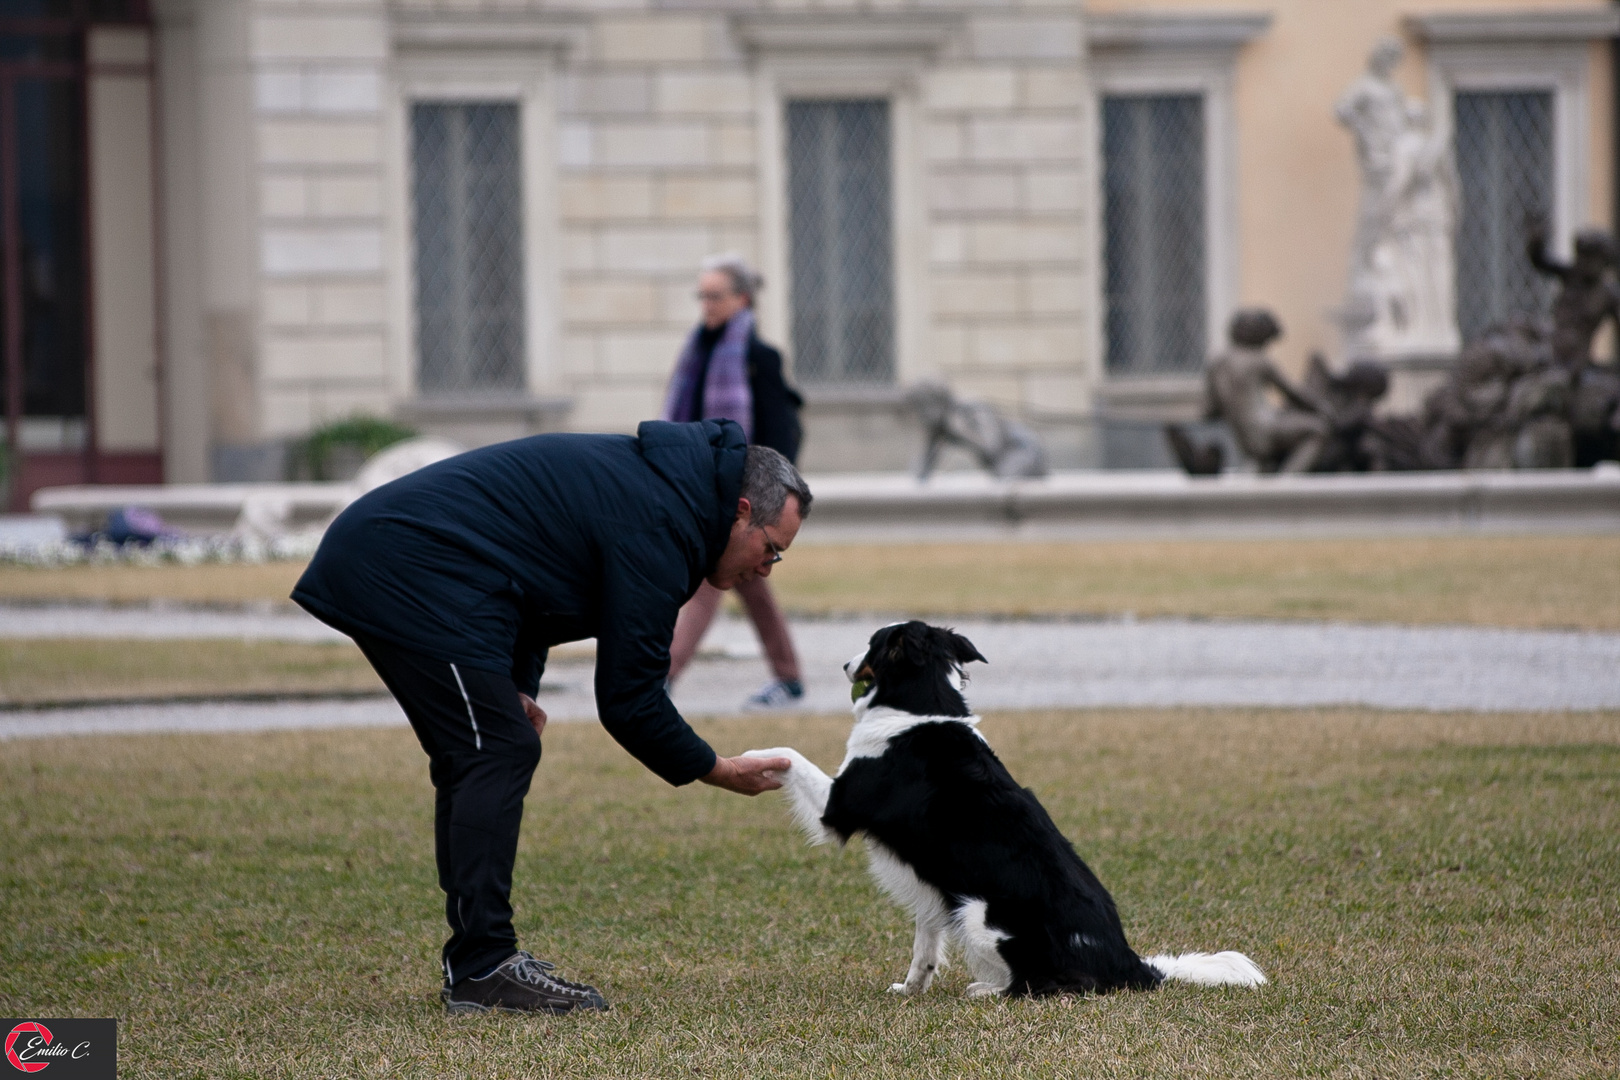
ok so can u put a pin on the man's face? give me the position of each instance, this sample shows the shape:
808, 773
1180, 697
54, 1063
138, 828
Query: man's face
717, 298
753, 548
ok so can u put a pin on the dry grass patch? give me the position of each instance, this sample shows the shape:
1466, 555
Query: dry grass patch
209, 583
1431, 894
1550, 581
78, 669
1544, 581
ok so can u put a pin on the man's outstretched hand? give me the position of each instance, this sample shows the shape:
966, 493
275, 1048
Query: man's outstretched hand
748, 775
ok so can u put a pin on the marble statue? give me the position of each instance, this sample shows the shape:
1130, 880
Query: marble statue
1402, 295
1004, 447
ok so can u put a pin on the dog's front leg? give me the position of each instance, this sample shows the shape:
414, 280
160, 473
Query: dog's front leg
807, 790
927, 957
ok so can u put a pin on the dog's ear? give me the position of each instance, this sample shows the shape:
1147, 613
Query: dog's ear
909, 643
962, 650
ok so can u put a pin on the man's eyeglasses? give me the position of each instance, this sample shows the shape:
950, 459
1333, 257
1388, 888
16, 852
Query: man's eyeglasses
771, 549
714, 297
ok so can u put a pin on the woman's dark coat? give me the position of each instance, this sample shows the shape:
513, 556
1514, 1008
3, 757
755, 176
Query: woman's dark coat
491, 557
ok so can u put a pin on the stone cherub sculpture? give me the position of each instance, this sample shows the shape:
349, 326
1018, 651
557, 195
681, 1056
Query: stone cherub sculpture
1237, 388
1346, 401
1004, 447
1588, 296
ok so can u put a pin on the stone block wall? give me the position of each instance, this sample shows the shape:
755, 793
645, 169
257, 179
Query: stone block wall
1011, 251
318, 75
657, 167
656, 163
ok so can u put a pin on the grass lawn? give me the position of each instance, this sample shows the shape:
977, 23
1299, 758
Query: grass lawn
1489, 581
1431, 894
46, 670
1485, 581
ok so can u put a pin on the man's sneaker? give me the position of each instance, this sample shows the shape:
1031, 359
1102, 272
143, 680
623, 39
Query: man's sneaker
522, 984
776, 694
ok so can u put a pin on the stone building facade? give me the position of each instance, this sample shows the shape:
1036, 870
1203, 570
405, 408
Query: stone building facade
483, 219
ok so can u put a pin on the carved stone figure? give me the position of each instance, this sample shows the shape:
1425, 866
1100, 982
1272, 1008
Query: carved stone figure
1402, 295
1505, 405
1421, 314
1237, 388
1346, 402
1004, 447
1587, 297
1374, 109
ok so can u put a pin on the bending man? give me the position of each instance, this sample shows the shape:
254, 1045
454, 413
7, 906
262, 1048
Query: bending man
456, 579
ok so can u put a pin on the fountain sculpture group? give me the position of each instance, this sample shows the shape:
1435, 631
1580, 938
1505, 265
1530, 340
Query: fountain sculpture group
1526, 394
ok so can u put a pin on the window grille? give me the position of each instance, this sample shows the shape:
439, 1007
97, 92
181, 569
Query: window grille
1153, 221
1505, 165
467, 195
840, 236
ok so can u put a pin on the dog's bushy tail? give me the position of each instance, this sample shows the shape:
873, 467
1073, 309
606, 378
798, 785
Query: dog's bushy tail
1208, 969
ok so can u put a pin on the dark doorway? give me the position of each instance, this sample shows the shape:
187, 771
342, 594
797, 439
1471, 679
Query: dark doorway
46, 336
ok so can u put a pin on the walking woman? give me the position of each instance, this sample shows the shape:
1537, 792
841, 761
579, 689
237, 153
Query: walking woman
726, 372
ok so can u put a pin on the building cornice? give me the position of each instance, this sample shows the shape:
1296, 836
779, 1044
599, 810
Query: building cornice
482, 33
1517, 27
920, 33
1170, 30
485, 404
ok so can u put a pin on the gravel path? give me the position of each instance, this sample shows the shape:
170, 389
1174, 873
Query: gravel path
1033, 664
173, 622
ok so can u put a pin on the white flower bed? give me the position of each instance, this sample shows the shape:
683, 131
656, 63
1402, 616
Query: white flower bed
175, 551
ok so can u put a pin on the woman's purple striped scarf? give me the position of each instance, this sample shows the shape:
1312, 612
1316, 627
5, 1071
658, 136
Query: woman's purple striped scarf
725, 388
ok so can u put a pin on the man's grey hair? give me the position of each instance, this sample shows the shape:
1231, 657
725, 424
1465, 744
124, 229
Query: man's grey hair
744, 278
768, 479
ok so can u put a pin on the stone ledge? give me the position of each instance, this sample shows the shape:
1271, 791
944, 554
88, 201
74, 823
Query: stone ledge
922, 33
517, 405
480, 32
1516, 27
1159, 30
1098, 505
202, 508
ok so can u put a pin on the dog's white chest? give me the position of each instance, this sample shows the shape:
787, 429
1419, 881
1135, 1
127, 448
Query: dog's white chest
877, 727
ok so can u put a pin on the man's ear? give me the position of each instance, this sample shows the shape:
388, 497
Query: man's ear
745, 512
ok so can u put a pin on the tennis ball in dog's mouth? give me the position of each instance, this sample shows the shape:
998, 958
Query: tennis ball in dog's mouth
860, 688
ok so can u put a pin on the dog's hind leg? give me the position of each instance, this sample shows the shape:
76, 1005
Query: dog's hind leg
807, 789
991, 973
927, 955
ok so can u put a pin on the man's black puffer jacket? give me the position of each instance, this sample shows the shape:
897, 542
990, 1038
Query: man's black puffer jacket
495, 555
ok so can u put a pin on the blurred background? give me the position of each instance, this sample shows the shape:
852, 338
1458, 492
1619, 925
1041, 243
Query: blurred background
229, 225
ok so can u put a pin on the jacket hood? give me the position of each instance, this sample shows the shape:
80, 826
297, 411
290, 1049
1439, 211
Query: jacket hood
703, 462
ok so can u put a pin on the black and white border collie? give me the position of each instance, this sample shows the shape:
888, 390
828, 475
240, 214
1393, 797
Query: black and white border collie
953, 838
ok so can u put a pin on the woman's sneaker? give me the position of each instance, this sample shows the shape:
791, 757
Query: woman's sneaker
522, 984
776, 694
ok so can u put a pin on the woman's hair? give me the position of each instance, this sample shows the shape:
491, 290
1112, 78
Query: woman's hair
744, 278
